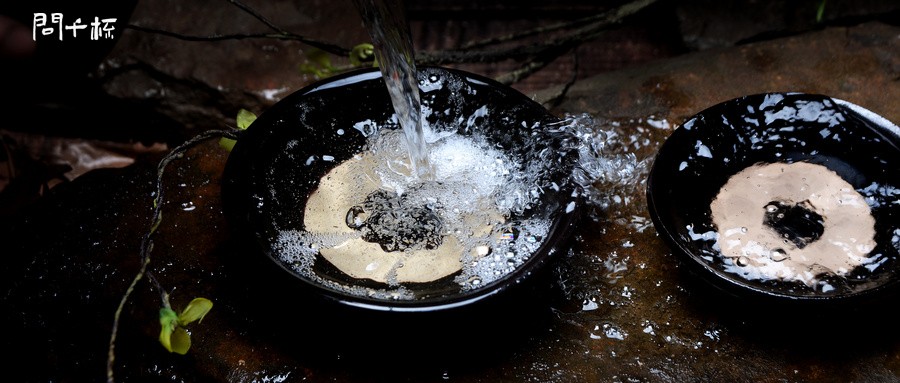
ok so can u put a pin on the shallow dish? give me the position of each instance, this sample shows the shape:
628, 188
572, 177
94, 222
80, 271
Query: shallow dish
787, 196
303, 149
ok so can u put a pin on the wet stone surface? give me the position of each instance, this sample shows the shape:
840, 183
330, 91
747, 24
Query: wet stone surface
617, 306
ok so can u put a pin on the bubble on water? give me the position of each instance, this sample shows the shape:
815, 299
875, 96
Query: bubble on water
589, 304
188, 206
609, 331
367, 127
298, 249
658, 123
778, 255
703, 150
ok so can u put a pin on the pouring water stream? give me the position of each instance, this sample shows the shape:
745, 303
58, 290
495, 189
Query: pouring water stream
386, 22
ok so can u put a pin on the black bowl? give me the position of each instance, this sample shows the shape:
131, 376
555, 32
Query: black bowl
279, 161
700, 157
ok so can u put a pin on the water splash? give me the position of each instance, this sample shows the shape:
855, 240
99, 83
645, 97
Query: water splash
607, 168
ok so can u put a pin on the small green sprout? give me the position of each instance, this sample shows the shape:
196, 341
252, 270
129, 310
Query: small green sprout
363, 53
174, 337
244, 119
318, 64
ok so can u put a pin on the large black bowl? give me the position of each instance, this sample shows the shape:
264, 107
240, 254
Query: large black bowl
707, 149
280, 159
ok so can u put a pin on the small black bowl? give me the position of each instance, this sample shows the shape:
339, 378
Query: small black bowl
277, 164
707, 150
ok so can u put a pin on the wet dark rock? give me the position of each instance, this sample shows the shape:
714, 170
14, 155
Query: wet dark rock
398, 224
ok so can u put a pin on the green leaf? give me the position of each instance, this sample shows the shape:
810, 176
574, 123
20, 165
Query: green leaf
362, 53
318, 63
169, 322
181, 341
195, 311
319, 57
820, 12
245, 118
227, 143
173, 335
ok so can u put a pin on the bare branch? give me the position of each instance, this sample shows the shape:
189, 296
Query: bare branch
327, 47
257, 15
557, 99
587, 32
602, 19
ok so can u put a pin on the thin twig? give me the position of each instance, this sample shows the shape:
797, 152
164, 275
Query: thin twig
257, 15
529, 52
147, 241
605, 18
327, 47
557, 100
532, 66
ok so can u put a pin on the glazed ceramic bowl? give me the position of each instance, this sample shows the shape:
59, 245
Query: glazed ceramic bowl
295, 147
784, 196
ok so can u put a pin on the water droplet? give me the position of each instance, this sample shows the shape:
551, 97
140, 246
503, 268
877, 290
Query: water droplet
188, 206
744, 230
778, 255
743, 261
771, 208
340, 132
356, 217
